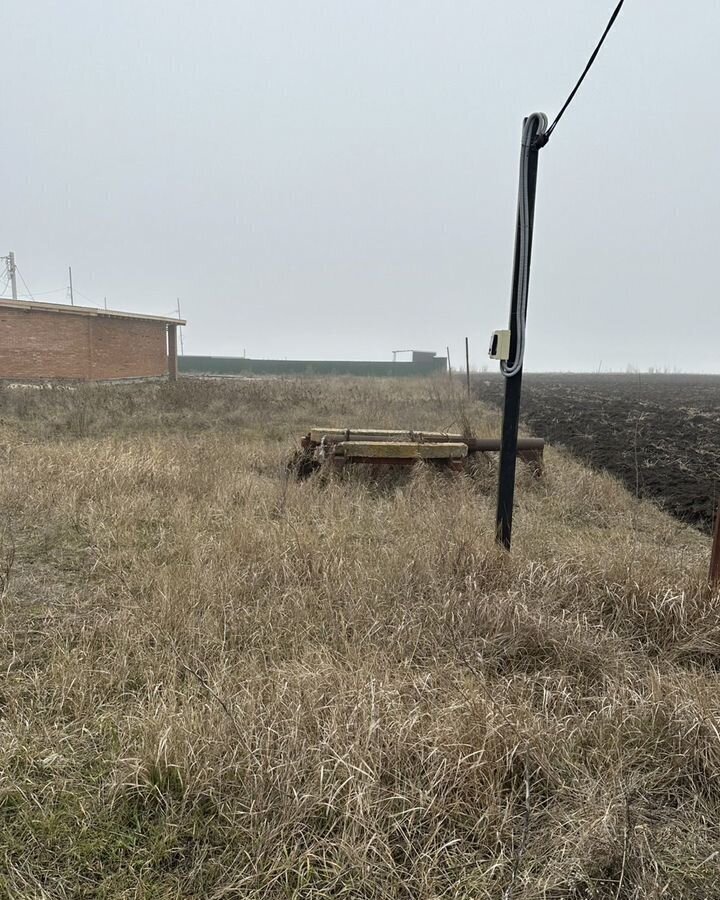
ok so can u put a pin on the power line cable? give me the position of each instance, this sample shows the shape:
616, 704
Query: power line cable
542, 139
6, 260
536, 124
45, 293
84, 296
29, 292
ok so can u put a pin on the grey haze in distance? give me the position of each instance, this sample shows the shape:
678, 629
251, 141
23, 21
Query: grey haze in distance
338, 179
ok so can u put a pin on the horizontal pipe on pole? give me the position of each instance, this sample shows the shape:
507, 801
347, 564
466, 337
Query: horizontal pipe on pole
483, 445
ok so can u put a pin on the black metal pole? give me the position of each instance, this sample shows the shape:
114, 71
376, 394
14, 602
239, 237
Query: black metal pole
513, 385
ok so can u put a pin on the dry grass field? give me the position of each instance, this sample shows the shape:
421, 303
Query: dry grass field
218, 682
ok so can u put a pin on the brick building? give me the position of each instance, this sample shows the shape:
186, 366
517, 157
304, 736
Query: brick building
41, 341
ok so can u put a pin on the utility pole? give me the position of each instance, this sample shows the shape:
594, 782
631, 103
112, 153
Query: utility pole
521, 274
448, 360
535, 135
11, 270
72, 299
182, 348
467, 365
10, 266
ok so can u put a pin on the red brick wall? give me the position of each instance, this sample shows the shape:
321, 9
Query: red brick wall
37, 344
128, 348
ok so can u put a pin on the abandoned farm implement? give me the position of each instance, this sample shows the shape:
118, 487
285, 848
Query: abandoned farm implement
338, 447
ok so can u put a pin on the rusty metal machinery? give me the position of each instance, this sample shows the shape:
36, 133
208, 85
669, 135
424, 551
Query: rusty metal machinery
344, 446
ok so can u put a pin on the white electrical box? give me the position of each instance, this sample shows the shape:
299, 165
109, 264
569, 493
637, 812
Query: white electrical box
500, 345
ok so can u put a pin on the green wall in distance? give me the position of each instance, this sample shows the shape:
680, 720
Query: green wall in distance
231, 365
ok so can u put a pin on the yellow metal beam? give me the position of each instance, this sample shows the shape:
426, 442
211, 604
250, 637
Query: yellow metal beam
400, 450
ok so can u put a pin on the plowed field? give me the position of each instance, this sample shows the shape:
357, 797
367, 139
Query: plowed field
659, 433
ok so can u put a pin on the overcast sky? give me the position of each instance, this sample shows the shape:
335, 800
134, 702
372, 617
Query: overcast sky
338, 179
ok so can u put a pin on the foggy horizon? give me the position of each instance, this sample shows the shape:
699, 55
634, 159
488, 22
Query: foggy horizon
337, 181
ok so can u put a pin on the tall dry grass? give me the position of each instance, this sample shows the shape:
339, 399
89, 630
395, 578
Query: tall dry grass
220, 682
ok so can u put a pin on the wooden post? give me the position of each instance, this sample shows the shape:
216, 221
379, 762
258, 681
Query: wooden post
172, 352
715, 552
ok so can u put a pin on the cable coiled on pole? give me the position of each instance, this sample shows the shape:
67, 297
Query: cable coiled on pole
532, 137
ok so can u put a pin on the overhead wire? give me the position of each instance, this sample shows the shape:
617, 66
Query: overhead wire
6, 259
45, 293
84, 296
537, 125
542, 140
29, 292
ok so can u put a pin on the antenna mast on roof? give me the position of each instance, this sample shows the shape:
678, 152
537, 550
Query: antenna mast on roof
11, 269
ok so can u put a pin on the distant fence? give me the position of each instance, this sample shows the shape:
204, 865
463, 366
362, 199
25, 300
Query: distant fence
231, 365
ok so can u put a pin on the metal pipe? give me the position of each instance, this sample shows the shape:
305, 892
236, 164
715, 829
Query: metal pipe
474, 445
